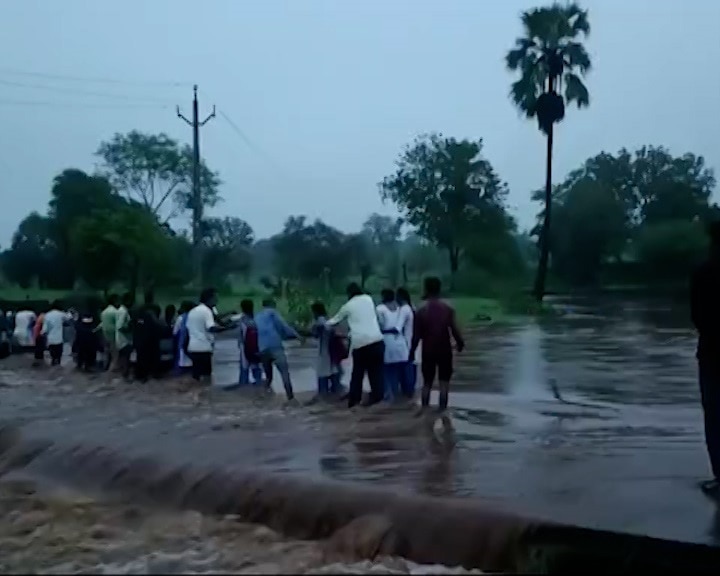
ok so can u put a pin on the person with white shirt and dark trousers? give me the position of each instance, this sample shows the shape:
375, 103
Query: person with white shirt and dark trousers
53, 330
201, 327
366, 344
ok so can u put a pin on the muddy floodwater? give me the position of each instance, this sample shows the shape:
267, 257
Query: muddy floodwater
591, 418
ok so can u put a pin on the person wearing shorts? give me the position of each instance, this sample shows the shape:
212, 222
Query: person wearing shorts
434, 325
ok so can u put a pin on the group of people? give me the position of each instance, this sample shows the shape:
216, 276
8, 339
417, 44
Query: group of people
385, 341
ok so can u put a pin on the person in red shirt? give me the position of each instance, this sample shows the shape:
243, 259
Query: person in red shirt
434, 323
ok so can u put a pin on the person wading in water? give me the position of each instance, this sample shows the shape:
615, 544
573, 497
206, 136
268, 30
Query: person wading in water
705, 314
366, 343
434, 323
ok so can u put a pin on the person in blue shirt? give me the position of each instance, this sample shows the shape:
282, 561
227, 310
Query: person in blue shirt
272, 330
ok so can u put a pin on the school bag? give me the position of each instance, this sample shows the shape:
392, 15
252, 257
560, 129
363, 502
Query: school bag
251, 348
337, 349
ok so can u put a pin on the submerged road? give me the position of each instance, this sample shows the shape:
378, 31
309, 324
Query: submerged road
591, 419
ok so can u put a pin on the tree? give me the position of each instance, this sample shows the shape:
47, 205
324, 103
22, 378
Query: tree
312, 253
590, 228
227, 243
447, 190
382, 245
669, 250
125, 243
156, 171
549, 56
33, 253
75, 195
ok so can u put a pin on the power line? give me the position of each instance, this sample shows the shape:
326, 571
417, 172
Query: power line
90, 79
60, 104
80, 91
248, 142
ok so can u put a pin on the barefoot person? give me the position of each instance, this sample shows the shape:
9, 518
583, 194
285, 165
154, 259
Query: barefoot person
396, 347
434, 323
272, 330
248, 346
366, 343
407, 322
53, 329
331, 353
705, 313
201, 329
108, 323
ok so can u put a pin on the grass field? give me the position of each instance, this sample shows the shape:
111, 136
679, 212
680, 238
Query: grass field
469, 309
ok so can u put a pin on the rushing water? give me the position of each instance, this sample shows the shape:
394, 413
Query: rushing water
591, 418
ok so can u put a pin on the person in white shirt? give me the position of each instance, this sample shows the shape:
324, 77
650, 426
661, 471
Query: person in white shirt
201, 328
53, 330
22, 334
366, 344
396, 347
408, 381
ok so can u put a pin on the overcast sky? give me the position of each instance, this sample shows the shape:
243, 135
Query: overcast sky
327, 92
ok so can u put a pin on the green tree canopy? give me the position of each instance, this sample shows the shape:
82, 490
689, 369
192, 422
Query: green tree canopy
155, 171
448, 191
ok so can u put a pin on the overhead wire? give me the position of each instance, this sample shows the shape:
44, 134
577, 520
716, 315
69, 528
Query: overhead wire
90, 79
81, 92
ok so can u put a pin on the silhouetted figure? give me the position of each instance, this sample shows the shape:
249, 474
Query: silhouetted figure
87, 338
434, 324
705, 314
146, 338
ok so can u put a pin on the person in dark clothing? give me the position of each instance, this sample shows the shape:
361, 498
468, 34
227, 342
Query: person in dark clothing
434, 324
87, 340
705, 314
170, 314
146, 339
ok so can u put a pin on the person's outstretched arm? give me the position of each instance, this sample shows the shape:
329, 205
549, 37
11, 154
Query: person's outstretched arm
455, 331
287, 331
341, 315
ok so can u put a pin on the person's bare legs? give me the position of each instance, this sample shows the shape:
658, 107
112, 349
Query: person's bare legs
444, 394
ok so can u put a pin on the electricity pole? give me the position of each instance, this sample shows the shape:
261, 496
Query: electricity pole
197, 203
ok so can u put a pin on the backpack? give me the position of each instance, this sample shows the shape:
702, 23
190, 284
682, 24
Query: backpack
337, 349
251, 348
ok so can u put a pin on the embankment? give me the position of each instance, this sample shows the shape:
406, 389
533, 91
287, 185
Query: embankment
357, 521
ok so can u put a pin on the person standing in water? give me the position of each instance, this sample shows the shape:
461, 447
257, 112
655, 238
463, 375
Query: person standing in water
366, 344
434, 324
705, 315
183, 364
249, 346
53, 330
123, 335
408, 380
331, 353
272, 330
396, 348
108, 327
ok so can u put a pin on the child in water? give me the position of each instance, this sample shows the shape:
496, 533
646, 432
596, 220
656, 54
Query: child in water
331, 352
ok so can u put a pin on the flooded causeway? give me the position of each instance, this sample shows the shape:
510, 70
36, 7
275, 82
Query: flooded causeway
592, 418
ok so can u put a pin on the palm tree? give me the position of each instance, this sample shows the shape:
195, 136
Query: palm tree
551, 60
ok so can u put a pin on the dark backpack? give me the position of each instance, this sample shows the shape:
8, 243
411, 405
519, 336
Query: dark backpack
337, 349
251, 348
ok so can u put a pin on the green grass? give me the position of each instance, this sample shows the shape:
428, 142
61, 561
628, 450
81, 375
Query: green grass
469, 309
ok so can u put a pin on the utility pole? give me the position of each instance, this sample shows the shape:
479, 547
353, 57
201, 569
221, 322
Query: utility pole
195, 124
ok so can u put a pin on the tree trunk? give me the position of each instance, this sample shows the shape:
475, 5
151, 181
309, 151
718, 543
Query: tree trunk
405, 273
454, 265
542, 270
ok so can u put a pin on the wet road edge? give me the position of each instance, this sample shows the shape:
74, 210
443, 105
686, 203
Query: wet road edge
367, 522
